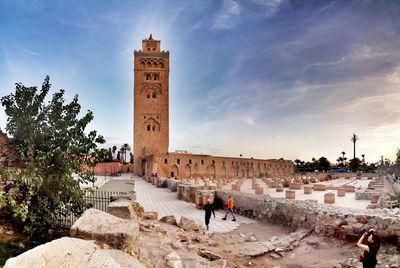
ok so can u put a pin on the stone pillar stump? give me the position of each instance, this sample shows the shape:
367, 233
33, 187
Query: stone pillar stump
329, 198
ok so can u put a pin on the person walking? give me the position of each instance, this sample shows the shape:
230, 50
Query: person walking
370, 248
209, 208
229, 206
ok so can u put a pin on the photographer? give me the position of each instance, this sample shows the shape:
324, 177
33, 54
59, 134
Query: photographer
370, 248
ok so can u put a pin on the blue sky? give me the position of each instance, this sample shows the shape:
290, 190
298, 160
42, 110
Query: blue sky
266, 79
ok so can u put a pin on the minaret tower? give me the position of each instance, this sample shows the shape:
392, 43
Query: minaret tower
151, 108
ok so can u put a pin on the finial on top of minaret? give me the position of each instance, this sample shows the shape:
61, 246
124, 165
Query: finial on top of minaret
151, 37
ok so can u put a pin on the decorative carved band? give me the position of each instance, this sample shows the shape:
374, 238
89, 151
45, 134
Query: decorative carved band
164, 55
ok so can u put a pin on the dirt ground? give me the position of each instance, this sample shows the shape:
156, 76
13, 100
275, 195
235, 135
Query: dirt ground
308, 251
312, 251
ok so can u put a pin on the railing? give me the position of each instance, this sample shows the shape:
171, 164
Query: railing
98, 200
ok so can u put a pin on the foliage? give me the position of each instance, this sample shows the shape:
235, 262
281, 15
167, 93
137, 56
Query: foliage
124, 149
322, 164
52, 146
9, 249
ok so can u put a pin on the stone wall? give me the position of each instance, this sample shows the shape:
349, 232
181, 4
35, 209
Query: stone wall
110, 168
182, 165
323, 219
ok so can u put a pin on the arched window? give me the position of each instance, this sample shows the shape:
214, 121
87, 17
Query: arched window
190, 161
154, 95
156, 77
202, 161
148, 77
213, 161
154, 128
148, 127
148, 96
165, 161
178, 161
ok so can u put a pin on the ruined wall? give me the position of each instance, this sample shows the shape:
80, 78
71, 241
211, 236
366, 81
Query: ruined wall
180, 165
323, 219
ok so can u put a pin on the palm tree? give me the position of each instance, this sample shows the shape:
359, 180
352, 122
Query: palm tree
354, 139
343, 158
125, 148
114, 149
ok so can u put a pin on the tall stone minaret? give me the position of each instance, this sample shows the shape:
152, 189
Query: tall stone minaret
151, 106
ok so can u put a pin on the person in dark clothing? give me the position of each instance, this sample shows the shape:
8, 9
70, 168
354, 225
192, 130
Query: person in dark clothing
209, 208
371, 248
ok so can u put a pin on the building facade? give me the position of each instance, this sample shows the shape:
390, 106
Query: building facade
151, 129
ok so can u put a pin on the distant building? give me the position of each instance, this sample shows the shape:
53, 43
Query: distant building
151, 129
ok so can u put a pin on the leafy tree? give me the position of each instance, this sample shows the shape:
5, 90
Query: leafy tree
323, 163
355, 164
52, 145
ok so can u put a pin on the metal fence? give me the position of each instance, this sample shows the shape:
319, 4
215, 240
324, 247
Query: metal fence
98, 200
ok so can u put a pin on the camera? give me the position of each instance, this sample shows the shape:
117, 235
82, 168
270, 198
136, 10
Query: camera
369, 232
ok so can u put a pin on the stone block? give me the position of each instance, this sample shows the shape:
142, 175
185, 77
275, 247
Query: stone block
186, 193
236, 187
191, 225
329, 198
319, 187
279, 188
374, 199
73, 252
98, 225
193, 189
198, 199
180, 189
150, 215
259, 191
308, 190
122, 209
295, 186
341, 192
170, 219
349, 188
290, 194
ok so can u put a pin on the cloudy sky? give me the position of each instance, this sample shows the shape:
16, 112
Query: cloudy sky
262, 78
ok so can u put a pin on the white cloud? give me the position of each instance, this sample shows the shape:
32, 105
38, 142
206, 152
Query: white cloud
270, 7
394, 76
227, 17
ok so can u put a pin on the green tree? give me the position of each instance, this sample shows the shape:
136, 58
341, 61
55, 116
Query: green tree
323, 163
52, 144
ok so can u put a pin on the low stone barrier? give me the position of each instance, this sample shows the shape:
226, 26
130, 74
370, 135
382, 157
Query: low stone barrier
319, 187
259, 191
324, 219
329, 198
279, 188
308, 190
349, 188
295, 186
341, 192
290, 194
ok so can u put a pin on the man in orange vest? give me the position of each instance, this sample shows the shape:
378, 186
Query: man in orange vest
229, 205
